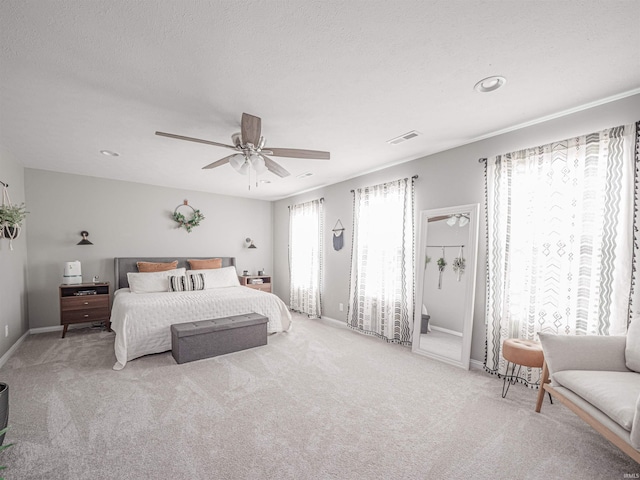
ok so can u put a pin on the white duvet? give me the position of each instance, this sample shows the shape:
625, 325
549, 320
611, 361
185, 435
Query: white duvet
142, 321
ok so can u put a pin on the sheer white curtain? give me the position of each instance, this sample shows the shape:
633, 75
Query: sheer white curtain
306, 257
381, 289
560, 240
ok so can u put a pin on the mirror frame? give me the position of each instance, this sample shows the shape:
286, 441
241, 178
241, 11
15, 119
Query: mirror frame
470, 272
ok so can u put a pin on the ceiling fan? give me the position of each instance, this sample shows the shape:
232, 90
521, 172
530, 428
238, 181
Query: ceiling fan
250, 152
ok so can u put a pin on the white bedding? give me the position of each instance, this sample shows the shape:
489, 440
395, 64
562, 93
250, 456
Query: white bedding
142, 321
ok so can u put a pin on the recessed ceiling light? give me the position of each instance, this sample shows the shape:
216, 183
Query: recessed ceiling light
265, 181
303, 175
490, 84
109, 153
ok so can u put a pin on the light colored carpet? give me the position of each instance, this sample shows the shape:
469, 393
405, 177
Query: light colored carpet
321, 402
442, 343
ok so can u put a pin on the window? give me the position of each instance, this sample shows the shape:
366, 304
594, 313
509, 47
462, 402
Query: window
381, 289
560, 231
306, 257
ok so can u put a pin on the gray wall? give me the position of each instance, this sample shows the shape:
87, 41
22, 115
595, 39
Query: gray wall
127, 219
453, 177
13, 264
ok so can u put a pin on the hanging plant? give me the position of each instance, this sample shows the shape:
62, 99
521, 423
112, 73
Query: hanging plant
458, 265
193, 221
11, 217
441, 264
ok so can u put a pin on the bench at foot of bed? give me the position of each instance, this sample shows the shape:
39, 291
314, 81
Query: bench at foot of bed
209, 338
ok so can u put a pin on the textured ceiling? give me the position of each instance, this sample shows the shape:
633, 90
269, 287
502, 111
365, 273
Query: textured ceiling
78, 77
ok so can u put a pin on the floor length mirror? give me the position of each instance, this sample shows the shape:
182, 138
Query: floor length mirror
445, 283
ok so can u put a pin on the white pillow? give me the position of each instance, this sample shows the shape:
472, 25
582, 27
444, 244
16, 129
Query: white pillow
218, 277
632, 350
150, 282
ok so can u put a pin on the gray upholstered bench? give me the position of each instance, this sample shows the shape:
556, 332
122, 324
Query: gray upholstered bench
209, 338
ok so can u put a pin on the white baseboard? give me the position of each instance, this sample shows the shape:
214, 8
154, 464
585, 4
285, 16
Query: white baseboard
446, 330
35, 331
340, 323
13, 348
476, 364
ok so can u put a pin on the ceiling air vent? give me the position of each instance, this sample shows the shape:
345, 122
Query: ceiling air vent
404, 137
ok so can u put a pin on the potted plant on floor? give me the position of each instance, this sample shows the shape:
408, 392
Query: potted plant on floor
4, 409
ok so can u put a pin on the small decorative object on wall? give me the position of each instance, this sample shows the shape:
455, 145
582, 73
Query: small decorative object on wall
441, 264
11, 217
249, 243
458, 264
193, 221
85, 240
338, 236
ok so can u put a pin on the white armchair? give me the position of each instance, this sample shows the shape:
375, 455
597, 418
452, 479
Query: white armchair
597, 378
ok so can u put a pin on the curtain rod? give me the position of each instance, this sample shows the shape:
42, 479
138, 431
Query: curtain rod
321, 199
5, 184
412, 178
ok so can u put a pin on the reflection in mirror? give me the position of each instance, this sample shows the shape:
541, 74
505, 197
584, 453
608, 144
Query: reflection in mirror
445, 283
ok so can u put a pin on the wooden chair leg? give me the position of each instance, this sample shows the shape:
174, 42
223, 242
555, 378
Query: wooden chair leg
543, 381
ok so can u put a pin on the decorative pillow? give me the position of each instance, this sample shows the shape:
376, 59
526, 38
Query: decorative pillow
186, 283
150, 282
632, 350
218, 277
156, 267
205, 264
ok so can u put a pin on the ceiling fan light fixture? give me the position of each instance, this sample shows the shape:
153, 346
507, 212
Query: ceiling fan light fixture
239, 163
463, 221
258, 164
490, 84
452, 220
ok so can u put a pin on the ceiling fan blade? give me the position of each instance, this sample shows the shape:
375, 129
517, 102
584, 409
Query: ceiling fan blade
273, 167
296, 153
437, 219
218, 163
197, 140
251, 128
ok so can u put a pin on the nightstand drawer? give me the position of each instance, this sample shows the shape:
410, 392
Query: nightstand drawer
264, 287
92, 315
84, 302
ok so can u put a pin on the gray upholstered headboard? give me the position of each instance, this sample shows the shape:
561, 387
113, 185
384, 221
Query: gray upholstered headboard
125, 265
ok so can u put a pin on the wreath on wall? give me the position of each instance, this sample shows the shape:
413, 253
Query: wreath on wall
193, 221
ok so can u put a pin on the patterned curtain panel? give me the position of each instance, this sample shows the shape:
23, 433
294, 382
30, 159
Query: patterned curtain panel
560, 240
381, 289
305, 257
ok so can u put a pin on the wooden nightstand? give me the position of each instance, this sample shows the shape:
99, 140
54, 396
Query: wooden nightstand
265, 286
78, 304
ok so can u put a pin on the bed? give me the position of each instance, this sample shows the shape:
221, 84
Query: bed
142, 321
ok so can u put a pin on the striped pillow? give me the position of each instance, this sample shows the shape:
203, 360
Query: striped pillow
197, 280
186, 283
